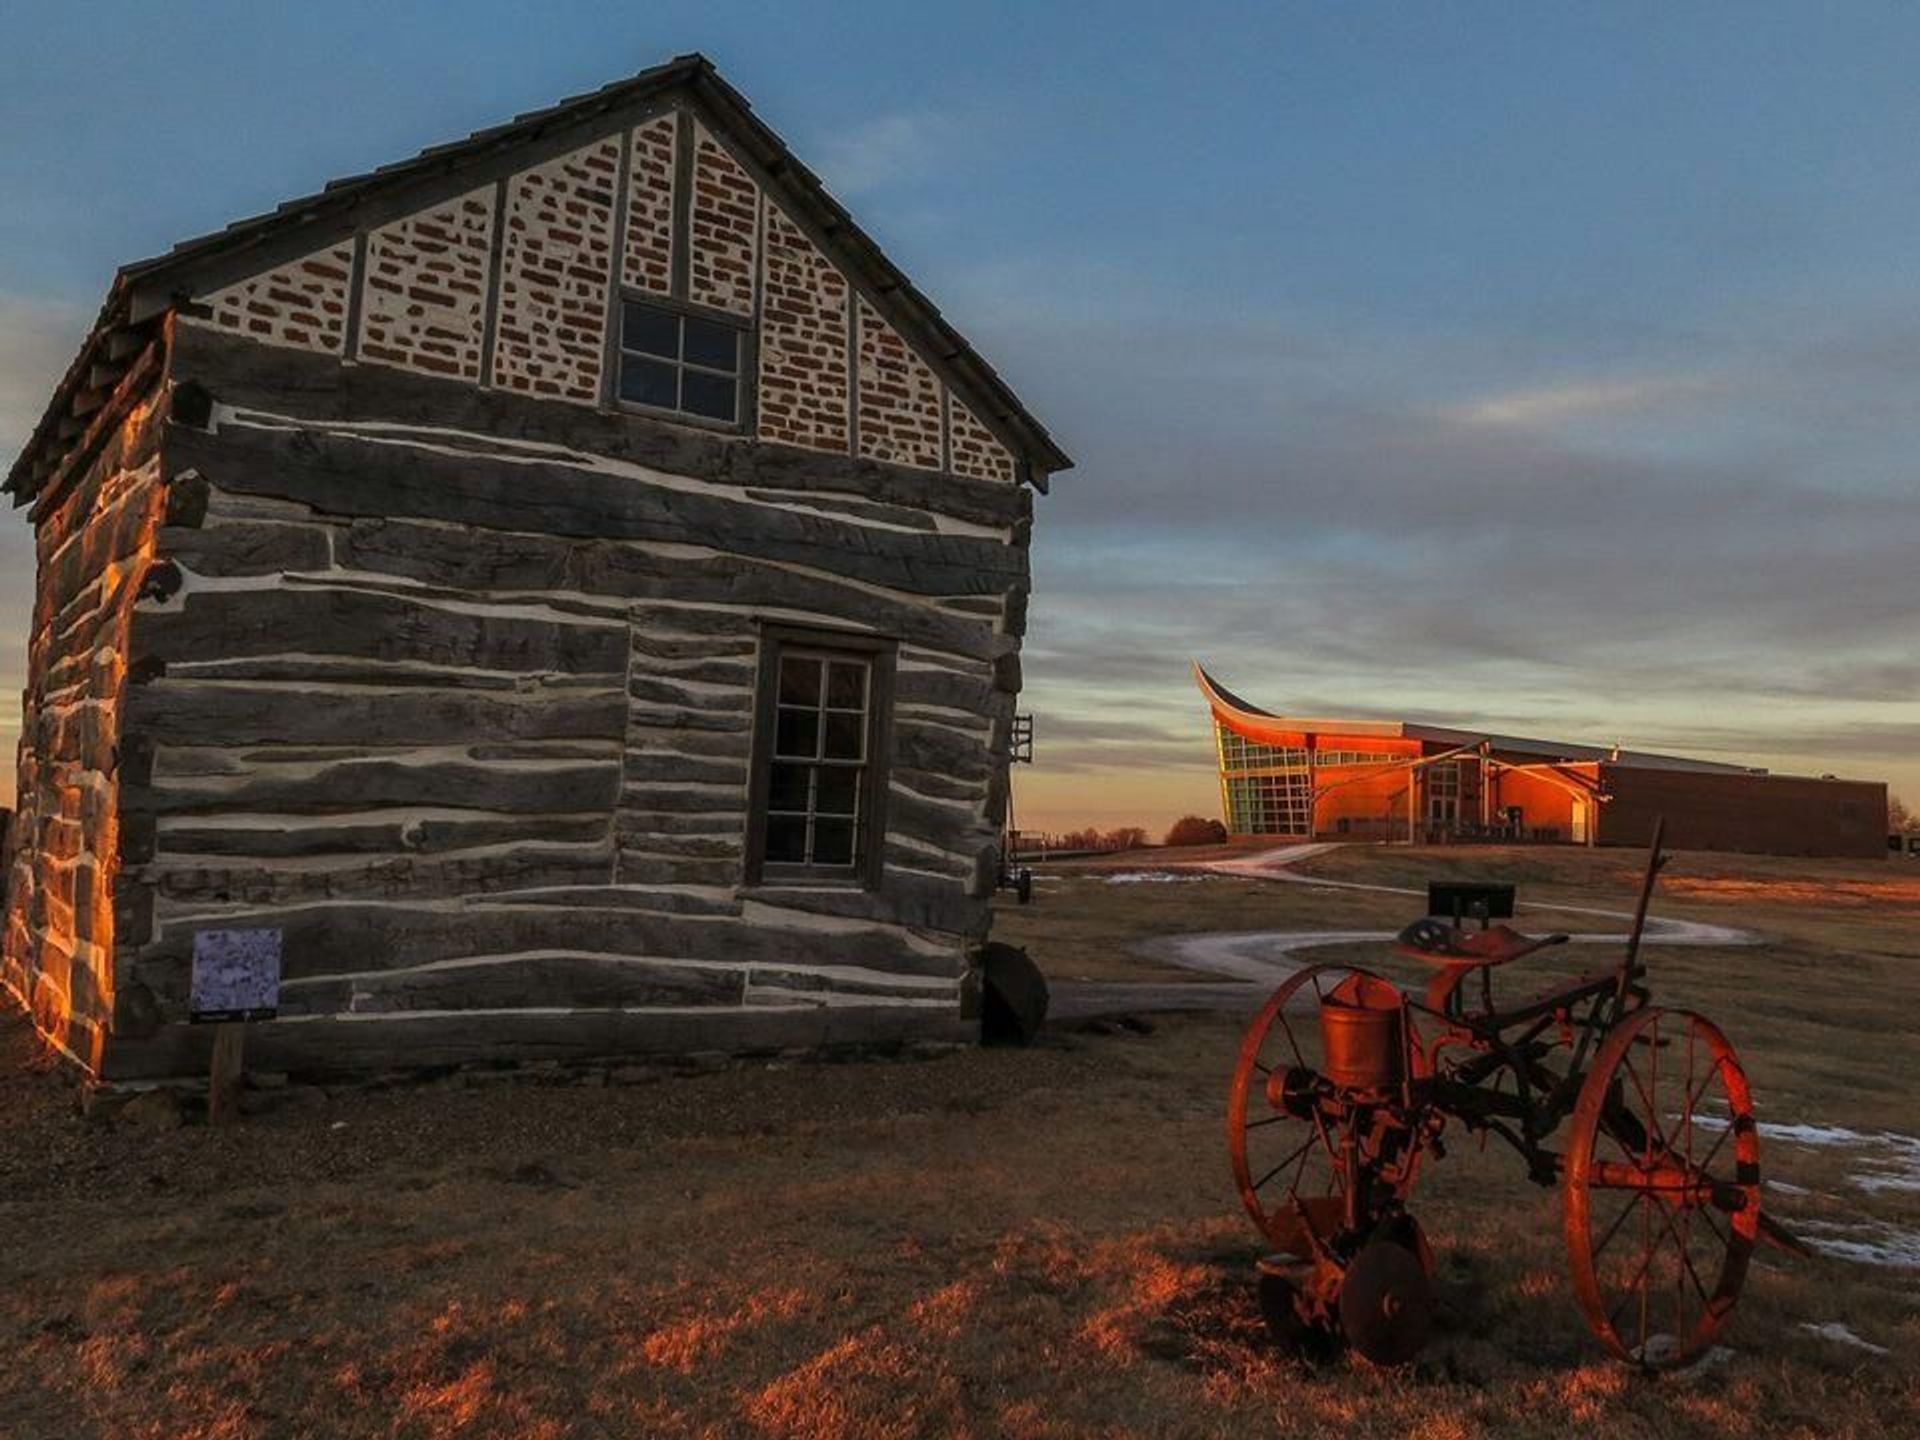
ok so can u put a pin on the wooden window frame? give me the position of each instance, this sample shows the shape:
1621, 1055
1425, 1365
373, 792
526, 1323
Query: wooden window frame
747, 380
880, 652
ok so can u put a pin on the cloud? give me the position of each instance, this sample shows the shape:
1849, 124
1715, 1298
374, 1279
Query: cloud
1705, 549
881, 151
1547, 405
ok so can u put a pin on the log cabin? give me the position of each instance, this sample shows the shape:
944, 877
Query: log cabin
569, 584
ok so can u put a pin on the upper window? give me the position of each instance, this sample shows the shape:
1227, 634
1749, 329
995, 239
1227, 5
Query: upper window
688, 364
819, 768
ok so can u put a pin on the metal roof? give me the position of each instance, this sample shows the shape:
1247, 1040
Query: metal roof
148, 287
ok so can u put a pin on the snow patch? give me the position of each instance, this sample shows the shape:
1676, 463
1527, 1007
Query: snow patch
1833, 1330
1865, 1243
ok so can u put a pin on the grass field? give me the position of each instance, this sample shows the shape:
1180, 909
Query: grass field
1037, 1243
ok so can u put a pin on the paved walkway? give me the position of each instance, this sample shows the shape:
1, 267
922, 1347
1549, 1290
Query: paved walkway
1250, 964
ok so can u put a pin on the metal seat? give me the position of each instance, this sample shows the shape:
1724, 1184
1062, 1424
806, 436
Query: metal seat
1434, 943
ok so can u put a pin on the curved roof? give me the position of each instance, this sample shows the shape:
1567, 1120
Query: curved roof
147, 288
1268, 727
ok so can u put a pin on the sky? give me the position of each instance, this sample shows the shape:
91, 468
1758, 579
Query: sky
1548, 368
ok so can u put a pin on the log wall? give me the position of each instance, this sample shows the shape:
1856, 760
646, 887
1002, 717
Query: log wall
456, 689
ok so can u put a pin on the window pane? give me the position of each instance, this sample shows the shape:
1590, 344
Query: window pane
797, 733
833, 842
847, 685
788, 791
716, 346
708, 395
647, 382
839, 790
844, 734
799, 680
787, 839
650, 331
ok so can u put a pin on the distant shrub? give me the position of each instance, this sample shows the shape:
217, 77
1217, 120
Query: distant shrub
1196, 830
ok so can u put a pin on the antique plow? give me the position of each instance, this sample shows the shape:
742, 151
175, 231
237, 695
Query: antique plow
1345, 1084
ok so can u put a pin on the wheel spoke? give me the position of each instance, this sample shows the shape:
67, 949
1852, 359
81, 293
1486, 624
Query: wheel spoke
1618, 1221
1269, 1120
1652, 1123
1701, 1168
1291, 1157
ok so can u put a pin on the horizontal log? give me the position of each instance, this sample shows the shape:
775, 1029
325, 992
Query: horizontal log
362, 783
924, 685
920, 902
359, 936
402, 833
923, 745
322, 620
861, 509
555, 980
937, 786
766, 984
677, 799
635, 897
904, 856
646, 765
949, 827
349, 474
638, 823
316, 387
263, 883
335, 1046
247, 548
640, 864
657, 691
199, 712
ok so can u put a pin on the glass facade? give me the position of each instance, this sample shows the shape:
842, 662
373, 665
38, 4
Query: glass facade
1265, 789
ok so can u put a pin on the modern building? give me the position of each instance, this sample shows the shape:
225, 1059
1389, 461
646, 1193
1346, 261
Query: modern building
1314, 777
565, 590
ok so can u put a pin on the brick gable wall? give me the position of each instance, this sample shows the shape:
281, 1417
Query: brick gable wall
899, 404
302, 304
425, 296
803, 342
975, 451
648, 261
722, 227
423, 302
555, 267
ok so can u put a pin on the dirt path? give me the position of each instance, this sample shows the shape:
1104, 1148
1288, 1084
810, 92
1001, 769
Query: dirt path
1259, 959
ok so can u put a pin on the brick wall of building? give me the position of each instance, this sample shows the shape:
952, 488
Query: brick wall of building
424, 296
302, 304
722, 229
648, 262
899, 397
425, 290
975, 451
803, 342
555, 267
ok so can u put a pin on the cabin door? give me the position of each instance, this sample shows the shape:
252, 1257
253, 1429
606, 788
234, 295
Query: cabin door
1579, 821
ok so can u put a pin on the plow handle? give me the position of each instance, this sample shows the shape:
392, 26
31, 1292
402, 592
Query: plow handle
1656, 859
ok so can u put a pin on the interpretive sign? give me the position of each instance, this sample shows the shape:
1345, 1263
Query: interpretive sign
236, 975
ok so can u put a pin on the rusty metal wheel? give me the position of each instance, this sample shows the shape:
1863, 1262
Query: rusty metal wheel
1285, 1151
1662, 1188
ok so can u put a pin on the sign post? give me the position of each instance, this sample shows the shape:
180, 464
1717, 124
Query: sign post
236, 978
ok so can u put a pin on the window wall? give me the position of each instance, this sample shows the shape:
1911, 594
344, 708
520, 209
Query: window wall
1264, 789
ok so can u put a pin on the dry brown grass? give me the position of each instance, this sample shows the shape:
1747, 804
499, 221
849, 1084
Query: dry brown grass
1041, 1243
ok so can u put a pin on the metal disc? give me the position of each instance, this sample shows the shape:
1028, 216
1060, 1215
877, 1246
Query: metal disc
1386, 1303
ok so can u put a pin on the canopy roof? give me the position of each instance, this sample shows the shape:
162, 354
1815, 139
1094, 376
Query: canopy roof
1268, 728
